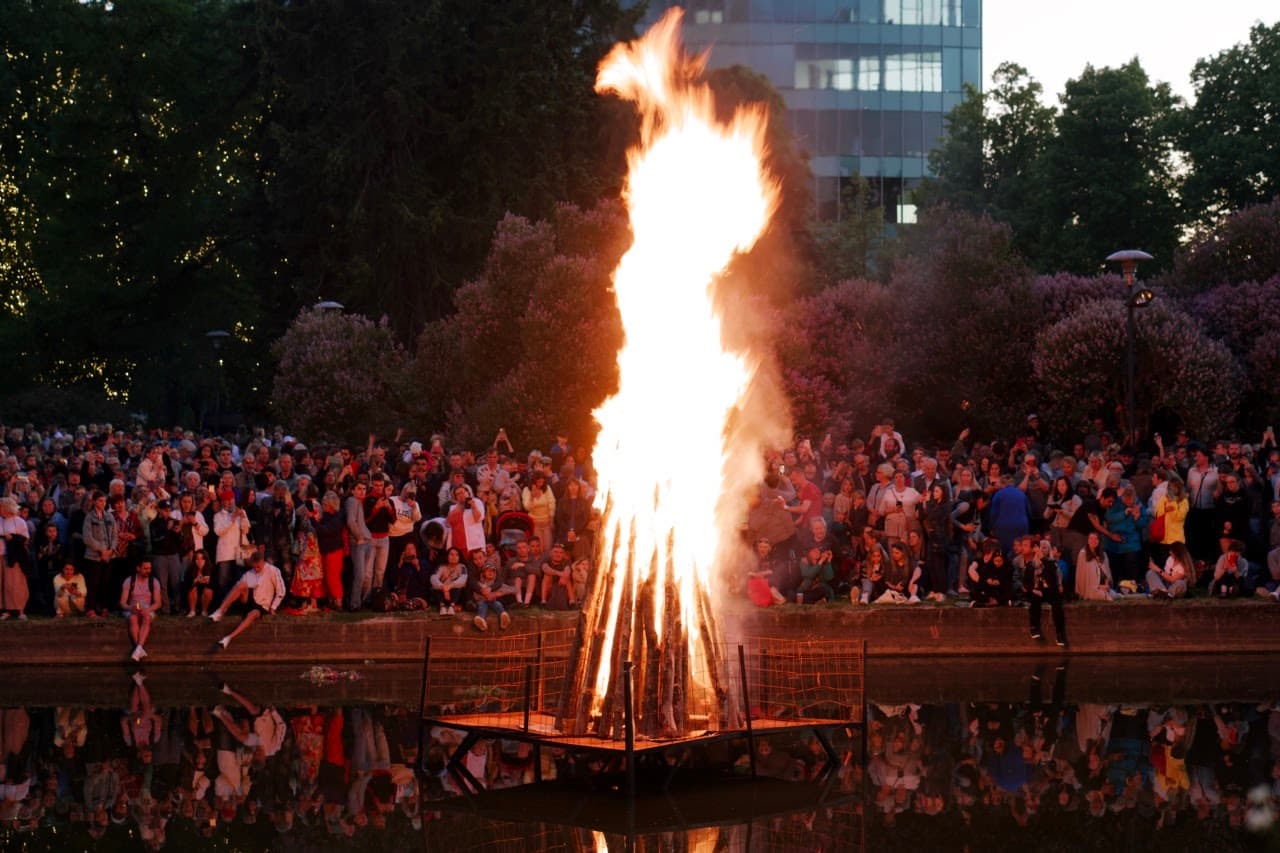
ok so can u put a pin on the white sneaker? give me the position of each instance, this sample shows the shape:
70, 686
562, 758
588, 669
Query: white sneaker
451, 610
137, 653
225, 641
480, 623
915, 599
504, 620
142, 653
191, 614
215, 616
865, 599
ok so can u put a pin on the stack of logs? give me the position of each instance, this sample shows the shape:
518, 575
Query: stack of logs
669, 700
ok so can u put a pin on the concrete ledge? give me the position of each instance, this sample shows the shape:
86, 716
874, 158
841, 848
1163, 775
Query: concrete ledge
1122, 628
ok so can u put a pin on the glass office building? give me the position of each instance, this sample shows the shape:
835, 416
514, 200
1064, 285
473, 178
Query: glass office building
866, 82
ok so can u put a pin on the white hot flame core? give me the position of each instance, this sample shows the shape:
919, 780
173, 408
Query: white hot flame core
696, 194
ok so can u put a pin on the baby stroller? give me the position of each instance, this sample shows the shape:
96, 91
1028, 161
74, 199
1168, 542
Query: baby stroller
510, 528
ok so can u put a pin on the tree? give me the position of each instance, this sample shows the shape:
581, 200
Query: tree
829, 348
1108, 175
1063, 293
1230, 133
339, 376
533, 344
990, 160
1245, 246
966, 304
402, 134
847, 247
126, 170
1078, 363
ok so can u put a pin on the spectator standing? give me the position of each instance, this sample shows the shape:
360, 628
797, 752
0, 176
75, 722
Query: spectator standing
331, 538
402, 529
99, 544
465, 521
1010, 514
359, 540
379, 513
1043, 586
1202, 484
1127, 519
540, 503
231, 527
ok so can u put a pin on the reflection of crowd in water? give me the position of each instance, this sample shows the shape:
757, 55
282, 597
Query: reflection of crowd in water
238, 771
1165, 764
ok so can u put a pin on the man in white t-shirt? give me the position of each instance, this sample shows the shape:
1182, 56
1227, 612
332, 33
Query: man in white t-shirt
262, 588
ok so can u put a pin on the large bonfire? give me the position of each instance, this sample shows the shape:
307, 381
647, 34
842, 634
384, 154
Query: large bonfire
670, 459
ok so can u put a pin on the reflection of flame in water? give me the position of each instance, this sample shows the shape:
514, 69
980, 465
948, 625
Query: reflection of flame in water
696, 193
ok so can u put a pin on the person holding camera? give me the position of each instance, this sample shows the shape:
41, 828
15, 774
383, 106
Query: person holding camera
465, 521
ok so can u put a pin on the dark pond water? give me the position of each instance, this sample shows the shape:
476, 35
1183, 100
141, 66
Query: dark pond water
996, 755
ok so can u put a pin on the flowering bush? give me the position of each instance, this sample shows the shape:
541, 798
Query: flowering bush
338, 376
1079, 363
532, 347
1064, 292
1243, 247
827, 345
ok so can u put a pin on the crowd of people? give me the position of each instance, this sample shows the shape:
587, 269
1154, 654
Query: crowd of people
1021, 521
98, 521
145, 522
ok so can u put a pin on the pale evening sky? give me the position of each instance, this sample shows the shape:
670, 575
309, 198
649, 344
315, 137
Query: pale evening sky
1054, 39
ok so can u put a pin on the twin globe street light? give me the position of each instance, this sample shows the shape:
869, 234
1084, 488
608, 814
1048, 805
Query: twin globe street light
1134, 299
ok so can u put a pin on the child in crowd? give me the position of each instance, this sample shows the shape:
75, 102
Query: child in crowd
489, 593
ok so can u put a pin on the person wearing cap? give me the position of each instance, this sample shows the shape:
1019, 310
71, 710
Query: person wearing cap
558, 571
231, 527
261, 588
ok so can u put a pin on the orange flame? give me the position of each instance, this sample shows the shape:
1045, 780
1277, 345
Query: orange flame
696, 193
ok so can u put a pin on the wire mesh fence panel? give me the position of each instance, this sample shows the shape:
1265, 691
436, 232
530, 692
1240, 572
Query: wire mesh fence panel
497, 680
791, 679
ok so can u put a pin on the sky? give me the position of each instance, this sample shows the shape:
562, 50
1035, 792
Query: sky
1054, 39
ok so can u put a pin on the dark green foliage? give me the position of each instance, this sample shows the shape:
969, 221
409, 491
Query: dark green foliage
1230, 134
400, 133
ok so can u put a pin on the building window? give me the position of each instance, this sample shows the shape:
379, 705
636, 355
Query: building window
825, 74
912, 71
948, 13
707, 11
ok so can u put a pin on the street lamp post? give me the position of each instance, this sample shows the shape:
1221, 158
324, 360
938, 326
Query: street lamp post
1128, 260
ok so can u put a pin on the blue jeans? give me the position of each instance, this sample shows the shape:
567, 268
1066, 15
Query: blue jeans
378, 563
361, 574
483, 608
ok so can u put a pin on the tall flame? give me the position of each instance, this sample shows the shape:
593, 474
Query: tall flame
696, 193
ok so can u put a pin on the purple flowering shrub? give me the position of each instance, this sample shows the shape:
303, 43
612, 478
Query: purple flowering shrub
1079, 364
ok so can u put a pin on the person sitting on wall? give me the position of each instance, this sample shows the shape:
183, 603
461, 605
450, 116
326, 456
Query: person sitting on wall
816, 574
760, 587
1170, 580
140, 599
69, 592
990, 578
901, 577
1230, 572
261, 588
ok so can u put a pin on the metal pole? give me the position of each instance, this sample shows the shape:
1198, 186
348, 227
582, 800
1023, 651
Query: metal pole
528, 692
1132, 333
422, 699
629, 731
746, 710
